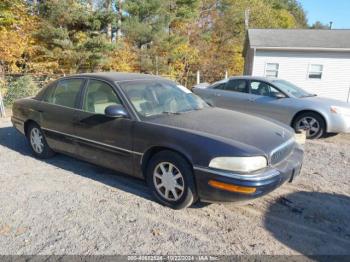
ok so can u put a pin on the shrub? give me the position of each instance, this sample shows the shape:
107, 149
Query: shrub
19, 88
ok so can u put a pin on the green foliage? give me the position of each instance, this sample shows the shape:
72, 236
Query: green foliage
70, 37
293, 7
19, 88
147, 21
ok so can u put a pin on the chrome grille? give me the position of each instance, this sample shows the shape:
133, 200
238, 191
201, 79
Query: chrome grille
281, 152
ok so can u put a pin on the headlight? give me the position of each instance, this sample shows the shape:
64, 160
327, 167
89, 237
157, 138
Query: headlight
239, 164
340, 110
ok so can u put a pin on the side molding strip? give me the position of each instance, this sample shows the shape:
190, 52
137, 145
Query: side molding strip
93, 141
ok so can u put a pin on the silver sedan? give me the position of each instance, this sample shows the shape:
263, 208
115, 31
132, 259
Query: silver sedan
280, 100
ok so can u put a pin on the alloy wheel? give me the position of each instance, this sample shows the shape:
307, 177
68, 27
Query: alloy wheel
168, 181
36, 140
310, 125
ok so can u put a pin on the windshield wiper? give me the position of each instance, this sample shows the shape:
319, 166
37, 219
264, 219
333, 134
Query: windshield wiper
171, 113
309, 95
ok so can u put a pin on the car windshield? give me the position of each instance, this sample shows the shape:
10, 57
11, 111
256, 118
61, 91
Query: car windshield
155, 97
291, 89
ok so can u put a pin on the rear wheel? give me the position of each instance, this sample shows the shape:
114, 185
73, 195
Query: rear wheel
170, 178
312, 123
37, 142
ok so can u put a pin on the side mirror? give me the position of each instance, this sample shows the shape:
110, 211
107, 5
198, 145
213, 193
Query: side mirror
280, 95
116, 111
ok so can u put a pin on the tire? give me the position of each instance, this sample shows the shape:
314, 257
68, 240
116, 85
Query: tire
312, 123
35, 138
181, 190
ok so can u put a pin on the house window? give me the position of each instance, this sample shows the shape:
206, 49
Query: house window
315, 71
271, 70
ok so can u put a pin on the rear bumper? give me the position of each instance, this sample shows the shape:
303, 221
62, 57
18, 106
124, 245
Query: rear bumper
264, 181
18, 124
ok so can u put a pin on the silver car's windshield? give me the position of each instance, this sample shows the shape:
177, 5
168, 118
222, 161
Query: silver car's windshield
291, 89
155, 97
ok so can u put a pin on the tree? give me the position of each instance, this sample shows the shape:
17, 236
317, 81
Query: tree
169, 37
16, 26
319, 25
71, 37
293, 7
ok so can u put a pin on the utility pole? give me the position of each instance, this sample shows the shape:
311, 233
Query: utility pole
246, 18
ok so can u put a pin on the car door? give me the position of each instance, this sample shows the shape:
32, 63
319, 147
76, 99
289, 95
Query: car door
59, 107
103, 140
269, 101
233, 95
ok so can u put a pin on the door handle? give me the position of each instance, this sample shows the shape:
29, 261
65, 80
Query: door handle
251, 99
217, 94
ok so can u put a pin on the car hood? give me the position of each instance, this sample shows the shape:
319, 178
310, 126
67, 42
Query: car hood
325, 101
251, 130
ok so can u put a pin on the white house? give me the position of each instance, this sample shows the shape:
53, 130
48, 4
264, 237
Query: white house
316, 60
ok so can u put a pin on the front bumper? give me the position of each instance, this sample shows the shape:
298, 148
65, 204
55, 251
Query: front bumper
338, 123
264, 181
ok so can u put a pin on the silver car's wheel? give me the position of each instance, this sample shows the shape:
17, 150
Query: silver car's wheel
313, 124
310, 125
168, 181
36, 140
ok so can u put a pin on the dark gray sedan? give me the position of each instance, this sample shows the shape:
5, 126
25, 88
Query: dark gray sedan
152, 128
280, 100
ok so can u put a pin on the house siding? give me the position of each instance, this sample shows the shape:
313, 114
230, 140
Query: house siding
294, 67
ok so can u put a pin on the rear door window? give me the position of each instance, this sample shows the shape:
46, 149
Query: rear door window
238, 85
66, 93
220, 86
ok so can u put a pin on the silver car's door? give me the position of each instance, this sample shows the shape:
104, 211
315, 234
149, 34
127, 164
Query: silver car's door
266, 100
233, 95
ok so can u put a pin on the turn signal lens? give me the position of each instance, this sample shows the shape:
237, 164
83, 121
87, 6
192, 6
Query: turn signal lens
340, 110
232, 188
300, 137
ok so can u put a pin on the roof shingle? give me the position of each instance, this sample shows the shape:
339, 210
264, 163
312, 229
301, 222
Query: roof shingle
299, 38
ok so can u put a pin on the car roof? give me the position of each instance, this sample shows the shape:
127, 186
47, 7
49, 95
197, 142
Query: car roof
258, 78
118, 76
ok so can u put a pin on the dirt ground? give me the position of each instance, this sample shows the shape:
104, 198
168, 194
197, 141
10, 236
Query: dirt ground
65, 206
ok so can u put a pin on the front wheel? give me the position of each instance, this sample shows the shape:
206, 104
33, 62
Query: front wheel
37, 142
170, 178
312, 123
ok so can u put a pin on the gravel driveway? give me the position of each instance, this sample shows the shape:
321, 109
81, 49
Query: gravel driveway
65, 206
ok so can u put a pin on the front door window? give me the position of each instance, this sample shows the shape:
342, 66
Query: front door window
264, 89
99, 95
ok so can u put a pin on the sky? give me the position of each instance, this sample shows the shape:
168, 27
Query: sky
325, 11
